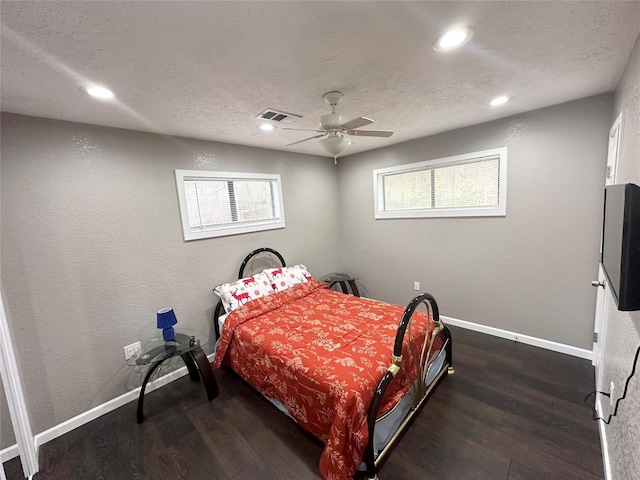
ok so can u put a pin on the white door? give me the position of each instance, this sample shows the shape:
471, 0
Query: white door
603, 295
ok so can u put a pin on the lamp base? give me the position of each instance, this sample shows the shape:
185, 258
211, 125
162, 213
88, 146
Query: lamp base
168, 334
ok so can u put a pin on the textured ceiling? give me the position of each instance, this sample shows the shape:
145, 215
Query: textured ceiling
206, 69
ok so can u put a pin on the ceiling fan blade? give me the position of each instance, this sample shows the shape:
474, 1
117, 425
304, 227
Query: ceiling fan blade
356, 123
370, 133
304, 140
302, 129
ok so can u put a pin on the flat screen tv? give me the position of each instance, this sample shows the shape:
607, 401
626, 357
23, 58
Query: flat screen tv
620, 256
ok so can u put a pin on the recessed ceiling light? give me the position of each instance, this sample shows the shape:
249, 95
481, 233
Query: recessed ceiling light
453, 38
267, 127
98, 91
501, 100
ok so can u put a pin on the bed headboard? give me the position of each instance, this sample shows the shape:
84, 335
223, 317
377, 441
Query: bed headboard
255, 262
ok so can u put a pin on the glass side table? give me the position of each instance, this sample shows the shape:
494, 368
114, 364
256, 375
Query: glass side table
346, 281
188, 345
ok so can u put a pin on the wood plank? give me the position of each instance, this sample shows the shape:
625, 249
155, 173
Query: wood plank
511, 411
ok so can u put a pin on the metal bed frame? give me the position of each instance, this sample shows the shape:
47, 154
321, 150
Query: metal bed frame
420, 391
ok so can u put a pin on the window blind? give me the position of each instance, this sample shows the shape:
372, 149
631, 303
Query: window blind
470, 184
221, 203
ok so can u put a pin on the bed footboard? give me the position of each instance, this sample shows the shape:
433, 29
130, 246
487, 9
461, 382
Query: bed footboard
420, 390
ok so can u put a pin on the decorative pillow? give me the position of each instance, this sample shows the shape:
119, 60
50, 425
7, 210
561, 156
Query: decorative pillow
285, 277
236, 294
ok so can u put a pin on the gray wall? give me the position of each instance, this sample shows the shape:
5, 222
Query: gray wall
623, 328
92, 247
7, 437
528, 272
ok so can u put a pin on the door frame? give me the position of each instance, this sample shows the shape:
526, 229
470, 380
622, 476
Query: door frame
15, 399
602, 299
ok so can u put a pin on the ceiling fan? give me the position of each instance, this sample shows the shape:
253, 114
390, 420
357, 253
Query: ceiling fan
337, 131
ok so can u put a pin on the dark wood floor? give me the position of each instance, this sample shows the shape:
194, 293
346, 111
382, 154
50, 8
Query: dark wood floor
511, 411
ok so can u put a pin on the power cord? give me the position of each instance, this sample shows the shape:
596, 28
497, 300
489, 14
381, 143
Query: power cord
624, 393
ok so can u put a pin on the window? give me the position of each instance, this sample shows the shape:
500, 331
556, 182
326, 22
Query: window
216, 204
473, 184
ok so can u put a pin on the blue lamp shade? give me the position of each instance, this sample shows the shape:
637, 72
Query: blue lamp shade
166, 320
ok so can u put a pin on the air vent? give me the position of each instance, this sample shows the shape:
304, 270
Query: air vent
278, 116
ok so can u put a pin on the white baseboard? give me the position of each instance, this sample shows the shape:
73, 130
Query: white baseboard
604, 445
9, 453
79, 420
517, 337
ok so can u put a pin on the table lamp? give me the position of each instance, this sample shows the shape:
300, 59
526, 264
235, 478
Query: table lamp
166, 320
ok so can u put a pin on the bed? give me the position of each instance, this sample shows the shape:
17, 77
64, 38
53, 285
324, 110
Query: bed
352, 371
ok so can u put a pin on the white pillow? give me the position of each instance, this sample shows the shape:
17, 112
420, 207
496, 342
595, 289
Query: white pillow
221, 320
236, 294
285, 277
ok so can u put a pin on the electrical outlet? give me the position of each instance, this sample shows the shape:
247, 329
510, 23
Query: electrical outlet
612, 389
416, 286
131, 350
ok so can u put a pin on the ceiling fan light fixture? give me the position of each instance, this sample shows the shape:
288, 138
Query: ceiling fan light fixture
453, 38
336, 131
335, 144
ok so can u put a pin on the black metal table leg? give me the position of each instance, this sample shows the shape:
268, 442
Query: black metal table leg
345, 289
354, 288
153, 368
189, 361
206, 372
195, 359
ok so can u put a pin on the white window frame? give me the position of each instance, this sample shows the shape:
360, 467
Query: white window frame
229, 229
493, 211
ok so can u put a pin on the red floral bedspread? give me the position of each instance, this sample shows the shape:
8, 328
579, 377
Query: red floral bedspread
322, 354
